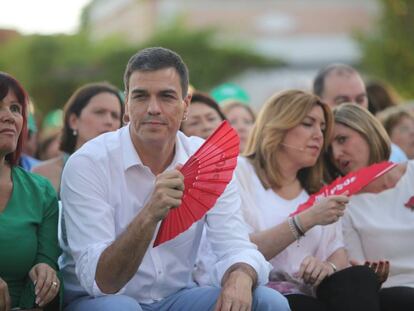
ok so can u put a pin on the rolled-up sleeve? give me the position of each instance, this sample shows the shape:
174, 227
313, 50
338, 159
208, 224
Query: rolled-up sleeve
89, 219
229, 239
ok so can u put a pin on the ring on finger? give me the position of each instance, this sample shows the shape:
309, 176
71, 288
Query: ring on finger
54, 284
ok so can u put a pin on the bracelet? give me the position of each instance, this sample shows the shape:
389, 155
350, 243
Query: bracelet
298, 225
293, 229
332, 265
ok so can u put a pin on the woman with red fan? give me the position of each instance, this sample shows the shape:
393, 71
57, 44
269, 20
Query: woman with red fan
378, 223
281, 168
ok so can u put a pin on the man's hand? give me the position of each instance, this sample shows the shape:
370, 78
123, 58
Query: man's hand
313, 271
46, 283
236, 293
168, 191
4, 296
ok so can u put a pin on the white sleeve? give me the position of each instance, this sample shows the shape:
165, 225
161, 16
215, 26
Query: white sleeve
89, 218
352, 240
248, 205
229, 239
331, 240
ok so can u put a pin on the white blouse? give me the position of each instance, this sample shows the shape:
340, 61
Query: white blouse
263, 209
378, 226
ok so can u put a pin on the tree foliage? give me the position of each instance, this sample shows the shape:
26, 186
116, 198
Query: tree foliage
388, 53
52, 67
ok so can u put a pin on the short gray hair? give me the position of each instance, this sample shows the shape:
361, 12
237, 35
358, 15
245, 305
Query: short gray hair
319, 81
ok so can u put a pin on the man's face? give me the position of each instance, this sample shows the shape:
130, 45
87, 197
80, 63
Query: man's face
155, 106
344, 87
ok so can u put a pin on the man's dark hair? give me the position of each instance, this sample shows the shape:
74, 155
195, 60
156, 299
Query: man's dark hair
156, 58
319, 81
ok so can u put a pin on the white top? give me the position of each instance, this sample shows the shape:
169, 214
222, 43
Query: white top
105, 185
397, 154
263, 209
377, 226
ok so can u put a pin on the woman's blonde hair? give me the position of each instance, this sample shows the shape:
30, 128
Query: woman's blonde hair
281, 113
369, 127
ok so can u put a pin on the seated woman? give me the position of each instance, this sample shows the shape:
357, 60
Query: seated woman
204, 116
281, 168
92, 110
379, 223
399, 124
241, 117
28, 215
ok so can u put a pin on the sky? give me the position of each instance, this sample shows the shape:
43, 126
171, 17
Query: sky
41, 16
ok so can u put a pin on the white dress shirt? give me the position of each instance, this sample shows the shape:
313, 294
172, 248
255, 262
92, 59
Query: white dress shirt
378, 226
105, 185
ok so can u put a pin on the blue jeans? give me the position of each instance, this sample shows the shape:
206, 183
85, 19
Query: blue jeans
196, 298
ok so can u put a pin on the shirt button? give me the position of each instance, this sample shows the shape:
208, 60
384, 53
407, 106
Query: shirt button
159, 272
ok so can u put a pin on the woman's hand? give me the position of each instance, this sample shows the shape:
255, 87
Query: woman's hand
5, 301
313, 271
46, 283
325, 211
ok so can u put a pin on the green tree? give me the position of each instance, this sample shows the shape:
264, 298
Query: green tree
52, 67
388, 53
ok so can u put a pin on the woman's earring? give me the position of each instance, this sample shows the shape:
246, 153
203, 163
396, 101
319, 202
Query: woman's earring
185, 116
75, 132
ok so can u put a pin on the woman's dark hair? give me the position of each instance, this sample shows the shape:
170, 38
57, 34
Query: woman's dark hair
7, 84
200, 97
380, 96
75, 105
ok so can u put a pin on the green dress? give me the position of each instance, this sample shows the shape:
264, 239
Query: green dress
28, 234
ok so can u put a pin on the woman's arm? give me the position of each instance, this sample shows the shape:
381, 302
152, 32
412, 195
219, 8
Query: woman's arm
339, 259
5, 300
272, 241
43, 274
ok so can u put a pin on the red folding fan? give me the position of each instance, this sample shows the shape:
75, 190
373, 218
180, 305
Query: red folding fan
351, 183
206, 174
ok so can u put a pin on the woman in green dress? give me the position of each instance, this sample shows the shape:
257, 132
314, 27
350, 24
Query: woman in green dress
28, 215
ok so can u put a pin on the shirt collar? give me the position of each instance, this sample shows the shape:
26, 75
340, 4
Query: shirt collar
131, 157
181, 156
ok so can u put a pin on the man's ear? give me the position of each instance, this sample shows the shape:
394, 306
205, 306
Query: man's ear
126, 118
187, 101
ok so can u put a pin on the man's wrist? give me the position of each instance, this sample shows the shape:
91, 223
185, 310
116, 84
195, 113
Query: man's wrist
148, 218
241, 268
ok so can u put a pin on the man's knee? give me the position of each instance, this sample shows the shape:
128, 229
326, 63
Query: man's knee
265, 298
123, 302
105, 303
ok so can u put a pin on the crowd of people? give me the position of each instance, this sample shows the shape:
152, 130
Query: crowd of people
77, 231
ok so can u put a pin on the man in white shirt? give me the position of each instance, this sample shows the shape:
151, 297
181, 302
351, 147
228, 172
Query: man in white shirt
336, 84
118, 187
